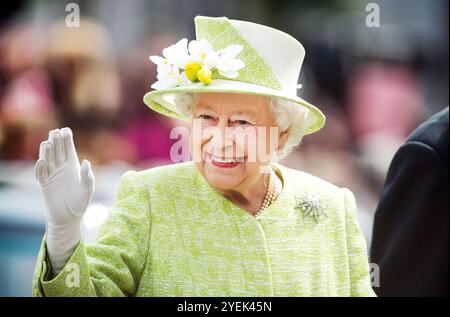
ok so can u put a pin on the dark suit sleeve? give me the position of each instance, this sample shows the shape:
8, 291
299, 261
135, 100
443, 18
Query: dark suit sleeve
410, 238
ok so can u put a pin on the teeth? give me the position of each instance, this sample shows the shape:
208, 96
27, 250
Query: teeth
226, 160
217, 159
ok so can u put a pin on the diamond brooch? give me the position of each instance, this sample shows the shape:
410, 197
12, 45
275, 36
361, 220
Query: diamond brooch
310, 206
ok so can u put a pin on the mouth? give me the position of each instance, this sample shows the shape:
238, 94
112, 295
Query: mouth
223, 162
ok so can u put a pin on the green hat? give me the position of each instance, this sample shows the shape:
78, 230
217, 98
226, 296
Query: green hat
230, 56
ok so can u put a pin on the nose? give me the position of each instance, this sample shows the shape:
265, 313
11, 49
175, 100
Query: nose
222, 140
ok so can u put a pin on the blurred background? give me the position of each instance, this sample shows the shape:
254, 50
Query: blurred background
374, 84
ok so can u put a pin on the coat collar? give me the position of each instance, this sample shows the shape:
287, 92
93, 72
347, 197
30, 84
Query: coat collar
297, 198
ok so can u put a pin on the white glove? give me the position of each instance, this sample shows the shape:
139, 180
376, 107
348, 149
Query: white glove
67, 189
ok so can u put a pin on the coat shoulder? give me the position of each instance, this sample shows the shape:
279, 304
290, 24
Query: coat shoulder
336, 200
165, 177
302, 181
177, 170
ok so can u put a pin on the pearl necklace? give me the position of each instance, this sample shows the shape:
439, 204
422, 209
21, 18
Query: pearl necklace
271, 193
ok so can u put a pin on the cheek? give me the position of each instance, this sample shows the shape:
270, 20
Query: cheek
245, 141
198, 137
256, 144
196, 144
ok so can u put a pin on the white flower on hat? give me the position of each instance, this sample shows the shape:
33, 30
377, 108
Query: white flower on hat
170, 78
198, 60
202, 52
227, 64
169, 75
176, 54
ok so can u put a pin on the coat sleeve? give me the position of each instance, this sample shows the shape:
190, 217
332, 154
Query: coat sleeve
357, 250
113, 264
410, 236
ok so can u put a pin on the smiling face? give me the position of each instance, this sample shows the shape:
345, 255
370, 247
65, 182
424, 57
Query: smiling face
230, 138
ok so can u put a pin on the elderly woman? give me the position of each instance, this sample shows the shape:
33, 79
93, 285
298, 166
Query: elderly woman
232, 222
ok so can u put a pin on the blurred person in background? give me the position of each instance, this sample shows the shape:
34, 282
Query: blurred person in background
385, 100
26, 101
410, 235
384, 104
87, 89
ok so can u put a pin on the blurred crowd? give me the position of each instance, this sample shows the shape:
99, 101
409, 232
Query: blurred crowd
372, 84
64, 76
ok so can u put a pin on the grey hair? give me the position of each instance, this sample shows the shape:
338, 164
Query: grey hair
288, 117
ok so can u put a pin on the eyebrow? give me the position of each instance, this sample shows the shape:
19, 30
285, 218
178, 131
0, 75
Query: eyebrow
206, 109
240, 113
204, 105
251, 114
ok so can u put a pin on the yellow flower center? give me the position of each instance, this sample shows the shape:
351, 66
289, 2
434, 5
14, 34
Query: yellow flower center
204, 75
192, 70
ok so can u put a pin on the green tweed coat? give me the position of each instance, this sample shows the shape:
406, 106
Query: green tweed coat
171, 234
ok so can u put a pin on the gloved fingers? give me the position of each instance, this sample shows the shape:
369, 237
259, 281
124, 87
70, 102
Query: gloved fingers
56, 138
42, 150
91, 181
40, 170
69, 146
49, 156
87, 176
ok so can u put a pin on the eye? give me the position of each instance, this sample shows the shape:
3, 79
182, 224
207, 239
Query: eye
205, 116
242, 122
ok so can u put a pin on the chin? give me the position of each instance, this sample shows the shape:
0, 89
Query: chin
223, 178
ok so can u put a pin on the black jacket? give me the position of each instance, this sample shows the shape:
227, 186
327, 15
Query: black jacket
410, 236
